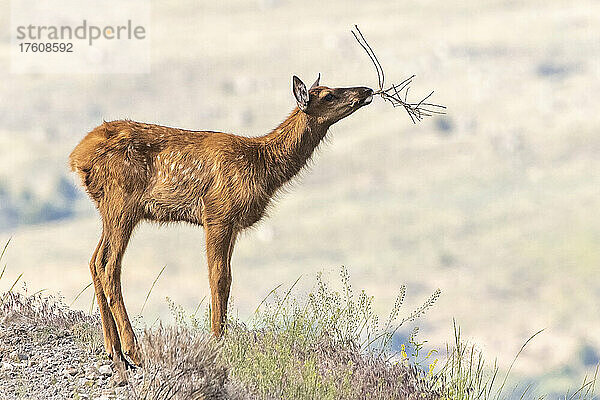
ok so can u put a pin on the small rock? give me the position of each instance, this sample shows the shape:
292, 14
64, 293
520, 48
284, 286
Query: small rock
70, 371
18, 356
105, 370
7, 366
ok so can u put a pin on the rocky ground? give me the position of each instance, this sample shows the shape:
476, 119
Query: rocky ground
42, 362
49, 352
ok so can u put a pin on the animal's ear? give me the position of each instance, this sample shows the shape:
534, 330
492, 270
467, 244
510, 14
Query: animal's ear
300, 93
314, 85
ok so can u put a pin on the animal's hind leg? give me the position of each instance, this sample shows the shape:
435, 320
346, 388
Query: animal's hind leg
118, 233
109, 329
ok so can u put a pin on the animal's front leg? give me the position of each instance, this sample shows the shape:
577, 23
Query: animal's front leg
219, 239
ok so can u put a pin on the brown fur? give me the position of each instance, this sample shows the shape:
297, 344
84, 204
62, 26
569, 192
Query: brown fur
135, 171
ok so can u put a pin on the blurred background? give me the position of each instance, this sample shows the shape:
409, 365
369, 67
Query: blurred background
495, 203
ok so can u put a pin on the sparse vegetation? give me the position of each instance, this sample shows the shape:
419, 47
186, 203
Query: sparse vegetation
331, 345
328, 345
467, 376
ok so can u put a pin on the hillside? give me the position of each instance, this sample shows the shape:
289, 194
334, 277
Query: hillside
48, 351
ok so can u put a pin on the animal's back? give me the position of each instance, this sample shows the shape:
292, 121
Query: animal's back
156, 169
119, 153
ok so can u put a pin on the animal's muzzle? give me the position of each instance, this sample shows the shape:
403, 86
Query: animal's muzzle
365, 96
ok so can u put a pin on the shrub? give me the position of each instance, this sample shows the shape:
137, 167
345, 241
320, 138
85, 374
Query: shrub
180, 363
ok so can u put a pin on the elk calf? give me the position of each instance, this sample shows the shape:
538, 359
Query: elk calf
135, 171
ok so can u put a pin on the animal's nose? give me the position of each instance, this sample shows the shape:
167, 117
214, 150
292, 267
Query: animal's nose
362, 96
366, 96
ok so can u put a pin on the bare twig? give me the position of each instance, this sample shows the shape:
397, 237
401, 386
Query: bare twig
393, 94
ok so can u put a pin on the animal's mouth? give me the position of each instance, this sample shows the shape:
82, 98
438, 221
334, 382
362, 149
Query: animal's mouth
363, 102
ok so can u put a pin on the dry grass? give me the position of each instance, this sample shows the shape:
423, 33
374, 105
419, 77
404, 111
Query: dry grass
44, 310
180, 363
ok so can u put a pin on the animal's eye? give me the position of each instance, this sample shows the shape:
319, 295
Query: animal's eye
328, 97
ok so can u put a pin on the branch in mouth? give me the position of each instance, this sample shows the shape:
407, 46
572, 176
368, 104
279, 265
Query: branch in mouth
397, 94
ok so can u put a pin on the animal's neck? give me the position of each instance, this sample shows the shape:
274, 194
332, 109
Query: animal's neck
289, 146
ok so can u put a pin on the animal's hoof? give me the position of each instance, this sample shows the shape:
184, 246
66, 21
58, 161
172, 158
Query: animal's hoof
129, 364
125, 360
133, 358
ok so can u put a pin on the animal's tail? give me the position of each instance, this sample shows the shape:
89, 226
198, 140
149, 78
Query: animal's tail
82, 155
82, 158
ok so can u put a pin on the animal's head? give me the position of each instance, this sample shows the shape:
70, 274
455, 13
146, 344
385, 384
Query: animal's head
329, 105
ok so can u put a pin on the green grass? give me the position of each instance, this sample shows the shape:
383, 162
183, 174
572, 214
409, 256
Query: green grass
467, 376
